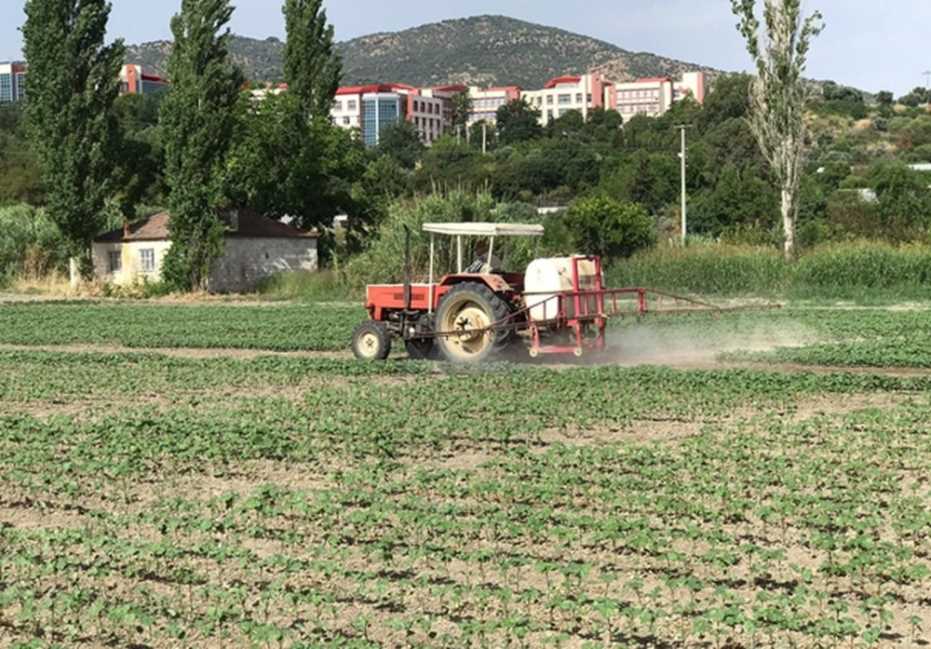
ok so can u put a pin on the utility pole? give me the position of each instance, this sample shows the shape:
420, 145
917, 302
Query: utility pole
683, 156
484, 137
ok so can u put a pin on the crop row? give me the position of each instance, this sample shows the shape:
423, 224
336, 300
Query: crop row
874, 337
289, 502
318, 327
756, 534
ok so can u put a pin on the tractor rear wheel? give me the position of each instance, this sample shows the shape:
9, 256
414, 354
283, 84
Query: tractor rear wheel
466, 313
371, 341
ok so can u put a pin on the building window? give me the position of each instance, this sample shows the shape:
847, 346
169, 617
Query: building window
578, 98
589, 98
549, 114
338, 106
115, 261
20, 85
6, 88
549, 100
346, 121
352, 105
379, 113
147, 260
565, 99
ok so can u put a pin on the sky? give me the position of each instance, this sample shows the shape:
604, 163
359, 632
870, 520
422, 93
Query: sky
870, 45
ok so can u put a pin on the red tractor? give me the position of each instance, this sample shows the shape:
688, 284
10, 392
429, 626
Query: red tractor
557, 306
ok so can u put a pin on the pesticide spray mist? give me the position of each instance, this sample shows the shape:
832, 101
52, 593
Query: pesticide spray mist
680, 345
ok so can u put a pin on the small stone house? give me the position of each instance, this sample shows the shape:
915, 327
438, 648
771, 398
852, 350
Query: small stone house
255, 247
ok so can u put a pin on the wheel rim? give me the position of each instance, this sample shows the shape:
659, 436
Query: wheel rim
369, 345
470, 322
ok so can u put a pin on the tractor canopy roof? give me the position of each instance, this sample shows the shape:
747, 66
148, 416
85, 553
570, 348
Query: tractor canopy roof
485, 229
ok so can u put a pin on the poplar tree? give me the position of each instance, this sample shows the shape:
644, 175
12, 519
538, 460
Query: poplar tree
779, 93
72, 83
198, 118
312, 67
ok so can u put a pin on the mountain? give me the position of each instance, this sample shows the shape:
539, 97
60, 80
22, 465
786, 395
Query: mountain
493, 50
261, 60
483, 51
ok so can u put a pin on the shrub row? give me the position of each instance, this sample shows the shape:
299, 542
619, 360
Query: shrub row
833, 270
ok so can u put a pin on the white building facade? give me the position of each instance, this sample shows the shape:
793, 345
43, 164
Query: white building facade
486, 102
254, 249
372, 108
582, 93
655, 96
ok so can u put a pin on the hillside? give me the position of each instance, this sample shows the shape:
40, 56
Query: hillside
484, 50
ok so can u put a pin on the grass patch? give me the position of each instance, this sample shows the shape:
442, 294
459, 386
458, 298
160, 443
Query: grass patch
863, 271
302, 286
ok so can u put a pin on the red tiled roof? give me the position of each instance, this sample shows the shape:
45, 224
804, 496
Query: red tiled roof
552, 83
373, 87
455, 87
251, 225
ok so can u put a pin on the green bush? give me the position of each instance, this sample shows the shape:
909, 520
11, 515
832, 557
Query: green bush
603, 226
843, 269
383, 260
30, 244
712, 269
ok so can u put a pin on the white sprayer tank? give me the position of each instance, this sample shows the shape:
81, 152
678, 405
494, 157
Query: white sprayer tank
546, 278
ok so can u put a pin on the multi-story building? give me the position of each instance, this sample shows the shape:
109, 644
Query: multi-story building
12, 82
135, 81
446, 93
374, 107
654, 96
485, 103
563, 94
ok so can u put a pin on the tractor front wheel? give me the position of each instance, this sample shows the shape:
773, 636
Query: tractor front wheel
464, 318
371, 341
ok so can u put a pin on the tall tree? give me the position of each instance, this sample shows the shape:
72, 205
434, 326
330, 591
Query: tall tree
779, 93
518, 121
198, 117
461, 109
311, 66
72, 83
402, 142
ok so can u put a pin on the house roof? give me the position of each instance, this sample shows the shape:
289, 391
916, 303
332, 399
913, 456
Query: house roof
251, 225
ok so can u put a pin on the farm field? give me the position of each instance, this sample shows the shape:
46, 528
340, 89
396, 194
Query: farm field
763, 498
